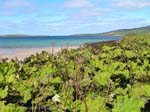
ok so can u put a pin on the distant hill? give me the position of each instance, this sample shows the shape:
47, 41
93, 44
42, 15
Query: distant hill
120, 32
14, 35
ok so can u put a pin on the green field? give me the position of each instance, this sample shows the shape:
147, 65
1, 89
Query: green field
108, 77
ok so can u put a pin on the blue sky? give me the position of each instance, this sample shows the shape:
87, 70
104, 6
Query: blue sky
65, 17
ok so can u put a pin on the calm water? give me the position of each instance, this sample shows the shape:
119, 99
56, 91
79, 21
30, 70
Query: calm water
49, 41
9, 45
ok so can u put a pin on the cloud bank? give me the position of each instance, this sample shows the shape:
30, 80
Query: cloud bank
132, 4
63, 17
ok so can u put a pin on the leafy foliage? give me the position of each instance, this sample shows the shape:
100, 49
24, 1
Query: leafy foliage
110, 78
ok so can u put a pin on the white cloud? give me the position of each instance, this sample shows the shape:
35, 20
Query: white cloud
132, 4
87, 14
9, 4
13, 7
77, 4
84, 9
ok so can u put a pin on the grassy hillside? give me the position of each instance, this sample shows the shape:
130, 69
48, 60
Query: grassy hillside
112, 77
140, 30
121, 32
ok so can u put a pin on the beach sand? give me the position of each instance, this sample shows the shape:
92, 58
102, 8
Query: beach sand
26, 52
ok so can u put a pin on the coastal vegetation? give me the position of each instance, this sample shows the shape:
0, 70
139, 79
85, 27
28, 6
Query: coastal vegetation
105, 77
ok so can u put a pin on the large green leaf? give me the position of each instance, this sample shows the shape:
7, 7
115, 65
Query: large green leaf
10, 78
12, 108
56, 80
3, 92
1, 78
129, 54
86, 82
126, 104
141, 90
101, 78
94, 105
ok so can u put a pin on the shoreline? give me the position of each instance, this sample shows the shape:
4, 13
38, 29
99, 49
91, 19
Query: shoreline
22, 53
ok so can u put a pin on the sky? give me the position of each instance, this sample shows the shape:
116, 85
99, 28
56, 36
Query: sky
65, 17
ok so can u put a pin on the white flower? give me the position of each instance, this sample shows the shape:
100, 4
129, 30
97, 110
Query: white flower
56, 98
93, 56
17, 76
111, 95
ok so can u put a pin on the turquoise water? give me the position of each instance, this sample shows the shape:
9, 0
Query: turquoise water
9, 45
49, 41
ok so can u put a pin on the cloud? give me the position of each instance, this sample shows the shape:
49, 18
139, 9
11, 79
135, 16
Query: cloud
12, 7
132, 4
70, 16
87, 14
8, 4
83, 9
77, 4
62, 27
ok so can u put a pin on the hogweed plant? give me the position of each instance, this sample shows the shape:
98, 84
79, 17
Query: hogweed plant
110, 77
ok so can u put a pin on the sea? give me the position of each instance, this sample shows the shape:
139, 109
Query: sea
7, 44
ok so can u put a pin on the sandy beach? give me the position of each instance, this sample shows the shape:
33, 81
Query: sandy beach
25, 52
